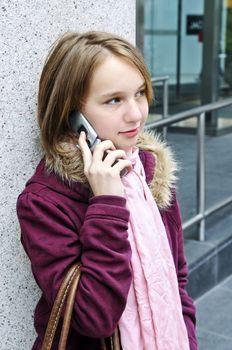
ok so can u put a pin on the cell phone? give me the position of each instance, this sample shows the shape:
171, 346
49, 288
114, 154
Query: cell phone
80, 123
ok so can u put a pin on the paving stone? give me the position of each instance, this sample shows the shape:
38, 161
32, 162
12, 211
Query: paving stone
214, 312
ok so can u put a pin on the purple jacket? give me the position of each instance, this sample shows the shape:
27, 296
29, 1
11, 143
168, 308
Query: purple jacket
61, 223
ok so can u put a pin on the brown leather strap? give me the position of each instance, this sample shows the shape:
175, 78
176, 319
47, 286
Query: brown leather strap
68, 291
68, 311
58, 305
116, 341
103, 344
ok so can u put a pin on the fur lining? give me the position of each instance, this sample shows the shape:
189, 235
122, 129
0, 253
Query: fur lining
164, 177
68, 165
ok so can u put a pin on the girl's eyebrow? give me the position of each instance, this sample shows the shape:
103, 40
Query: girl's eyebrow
118, 93
142, 86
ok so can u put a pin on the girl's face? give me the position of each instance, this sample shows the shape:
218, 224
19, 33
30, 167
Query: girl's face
116, 104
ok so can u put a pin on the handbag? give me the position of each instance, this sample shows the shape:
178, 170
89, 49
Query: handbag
67, 293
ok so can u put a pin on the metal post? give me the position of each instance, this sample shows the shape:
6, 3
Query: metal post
164, 80
201, 174
178, 63
165, 104
210, 63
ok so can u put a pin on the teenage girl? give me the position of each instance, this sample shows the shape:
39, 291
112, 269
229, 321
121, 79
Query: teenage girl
113, 208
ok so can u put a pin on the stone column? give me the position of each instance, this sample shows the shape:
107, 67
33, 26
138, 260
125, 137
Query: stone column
27, 29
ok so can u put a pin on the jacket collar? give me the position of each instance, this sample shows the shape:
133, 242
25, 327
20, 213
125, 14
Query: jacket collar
68, 165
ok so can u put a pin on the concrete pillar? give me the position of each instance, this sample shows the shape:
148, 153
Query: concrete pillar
27, 29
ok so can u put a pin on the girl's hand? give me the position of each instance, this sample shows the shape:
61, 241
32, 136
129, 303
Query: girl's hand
101, 168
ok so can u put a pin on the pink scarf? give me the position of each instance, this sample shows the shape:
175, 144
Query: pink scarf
152, 319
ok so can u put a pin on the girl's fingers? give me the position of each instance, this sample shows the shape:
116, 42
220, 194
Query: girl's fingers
122, 164
86, 153
104, 156
111, 156
101, 148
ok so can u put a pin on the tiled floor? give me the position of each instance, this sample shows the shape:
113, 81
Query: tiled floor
214, 318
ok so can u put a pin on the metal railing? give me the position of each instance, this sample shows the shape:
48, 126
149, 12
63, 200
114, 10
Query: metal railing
164, 80
199, 113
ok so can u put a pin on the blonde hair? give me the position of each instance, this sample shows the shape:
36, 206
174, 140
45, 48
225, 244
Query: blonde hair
67, 74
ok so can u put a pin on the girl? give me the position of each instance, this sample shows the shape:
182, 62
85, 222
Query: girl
125, 229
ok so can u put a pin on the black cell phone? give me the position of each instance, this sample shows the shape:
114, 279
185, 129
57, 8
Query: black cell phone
80, 123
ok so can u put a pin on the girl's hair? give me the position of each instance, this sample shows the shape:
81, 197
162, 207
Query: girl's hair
67, 74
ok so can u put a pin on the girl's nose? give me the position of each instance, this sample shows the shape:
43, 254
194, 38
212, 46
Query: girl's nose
133, 112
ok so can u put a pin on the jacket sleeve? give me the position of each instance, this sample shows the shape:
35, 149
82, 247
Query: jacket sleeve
172, 220
52, 243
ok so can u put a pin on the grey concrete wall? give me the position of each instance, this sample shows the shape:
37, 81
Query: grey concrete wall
27, 29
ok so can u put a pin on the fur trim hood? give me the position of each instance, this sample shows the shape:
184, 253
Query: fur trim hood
68, 165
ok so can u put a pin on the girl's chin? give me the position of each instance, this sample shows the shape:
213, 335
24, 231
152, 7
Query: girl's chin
126, 145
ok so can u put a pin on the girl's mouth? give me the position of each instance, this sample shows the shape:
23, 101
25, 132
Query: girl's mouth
130, 133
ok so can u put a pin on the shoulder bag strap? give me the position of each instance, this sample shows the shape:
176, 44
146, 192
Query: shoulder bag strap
68, 291
69, 309
72, 275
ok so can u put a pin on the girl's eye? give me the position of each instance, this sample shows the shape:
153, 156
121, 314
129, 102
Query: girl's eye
113, 101
141, 93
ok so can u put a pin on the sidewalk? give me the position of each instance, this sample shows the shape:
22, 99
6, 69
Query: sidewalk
214, 318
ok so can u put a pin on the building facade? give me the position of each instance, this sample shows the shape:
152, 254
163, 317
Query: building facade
191, 43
